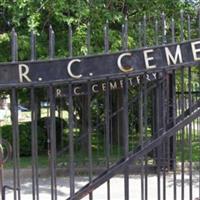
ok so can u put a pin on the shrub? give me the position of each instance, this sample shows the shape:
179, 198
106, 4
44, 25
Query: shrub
25, 135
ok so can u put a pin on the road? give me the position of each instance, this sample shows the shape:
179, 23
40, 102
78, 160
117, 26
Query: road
117, 190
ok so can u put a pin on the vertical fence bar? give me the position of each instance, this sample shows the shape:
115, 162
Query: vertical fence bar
141, 135
174, 138
15, 130
52, 122
89, 134
107, 127
190, 125
126, 34
71, 140
70, 43
88, 39
144, 31
14, 46
143, 175
164, 32
198, 13
51, 43
164, 110
88, 100
164, 117
140, 34
107, 109
124, 37
15, 127
106, 38
190, 133
53, 143
158, 102
182, 111
145, 109
125, 137
173, 79
189, 27
35, 183
33, 46
182, 25
34, 138
173, 30
156, 32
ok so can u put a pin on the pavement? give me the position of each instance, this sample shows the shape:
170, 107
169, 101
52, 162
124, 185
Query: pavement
116, 185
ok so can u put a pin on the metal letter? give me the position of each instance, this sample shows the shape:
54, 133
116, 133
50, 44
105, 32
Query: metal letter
147, 59
195, 50
77, 91
23, 71
69, 70
119, 63
174, 59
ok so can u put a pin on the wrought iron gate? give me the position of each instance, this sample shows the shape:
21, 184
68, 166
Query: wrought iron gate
83, 133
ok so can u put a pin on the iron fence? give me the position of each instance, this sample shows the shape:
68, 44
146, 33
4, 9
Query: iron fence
99, 128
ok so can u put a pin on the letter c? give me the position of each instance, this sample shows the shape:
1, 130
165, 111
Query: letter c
119, 63
69, 70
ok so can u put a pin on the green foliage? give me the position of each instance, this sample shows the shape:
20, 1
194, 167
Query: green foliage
36, 16
25, 138
25, 135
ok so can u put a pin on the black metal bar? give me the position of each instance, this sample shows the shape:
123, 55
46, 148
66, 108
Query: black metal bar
125, 137
33, 46
164, 109
164, 145
182, 110
34, 138
14, 46
141, 136
51, 43
158, 109
156, 32
107, 127
14, 119
174, 108
15, 130
164, 32
71, 141
190, 125
173, 30
125, 34
140, 34
190, 134
34, 133
182, 138
52, 144
145, 110
106, 38
182, 25
189, 27
70, 43
88, 39
144, 31
89, 135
